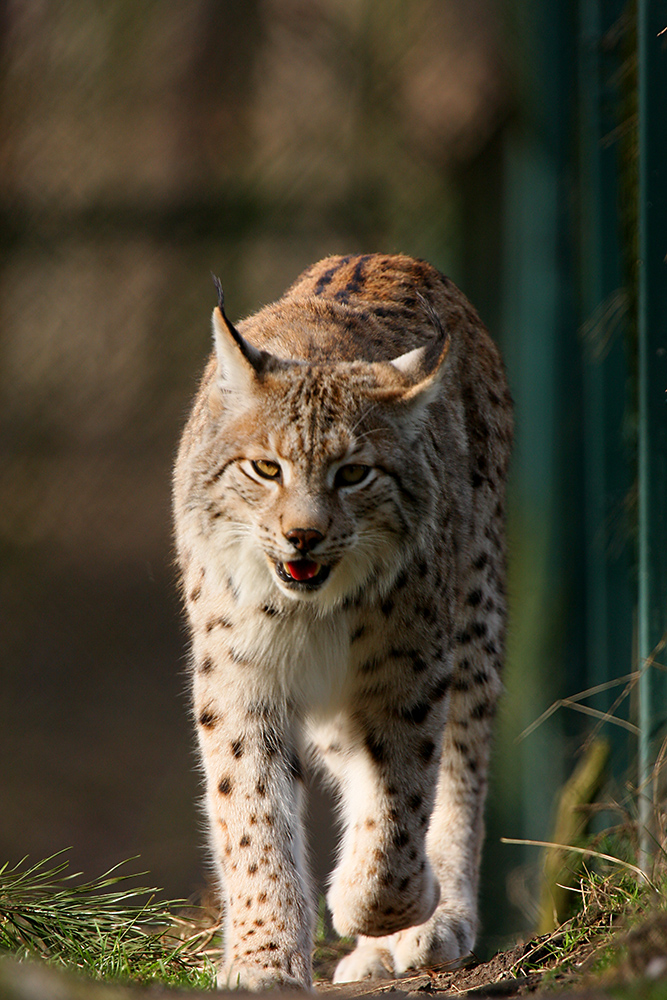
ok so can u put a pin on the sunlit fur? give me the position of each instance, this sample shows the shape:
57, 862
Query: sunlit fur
385, 671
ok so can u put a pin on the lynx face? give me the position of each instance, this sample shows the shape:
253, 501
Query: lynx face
313, 494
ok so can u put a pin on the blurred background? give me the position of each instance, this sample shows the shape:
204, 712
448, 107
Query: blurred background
144, 145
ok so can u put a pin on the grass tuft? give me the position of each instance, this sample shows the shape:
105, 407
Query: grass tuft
102, 927
602, 945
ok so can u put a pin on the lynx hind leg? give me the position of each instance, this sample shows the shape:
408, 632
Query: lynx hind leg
456, 830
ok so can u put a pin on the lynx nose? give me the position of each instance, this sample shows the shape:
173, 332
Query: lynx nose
304, 539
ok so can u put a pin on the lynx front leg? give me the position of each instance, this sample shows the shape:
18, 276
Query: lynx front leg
388, 774
453, 844
253, 802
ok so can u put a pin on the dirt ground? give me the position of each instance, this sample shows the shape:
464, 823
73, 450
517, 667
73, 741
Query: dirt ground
501, 976
33, 981
495, 978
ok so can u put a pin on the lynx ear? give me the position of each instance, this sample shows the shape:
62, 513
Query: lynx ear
424, 365
410, 364
412, 401
240, 364
424, 383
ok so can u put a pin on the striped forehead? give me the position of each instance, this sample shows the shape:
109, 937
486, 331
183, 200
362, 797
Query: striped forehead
314, 411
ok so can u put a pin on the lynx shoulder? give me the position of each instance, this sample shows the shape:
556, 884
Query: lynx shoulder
339, 517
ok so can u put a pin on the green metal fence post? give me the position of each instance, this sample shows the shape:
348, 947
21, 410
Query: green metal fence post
652, 383
604, 312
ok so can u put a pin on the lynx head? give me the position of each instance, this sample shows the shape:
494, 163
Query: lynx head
312, 481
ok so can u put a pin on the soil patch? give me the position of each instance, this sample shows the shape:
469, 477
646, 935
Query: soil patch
500, 976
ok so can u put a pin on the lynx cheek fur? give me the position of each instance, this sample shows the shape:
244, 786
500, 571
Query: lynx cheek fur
339, 511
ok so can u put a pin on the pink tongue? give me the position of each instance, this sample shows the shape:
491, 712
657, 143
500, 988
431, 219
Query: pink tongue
304, 569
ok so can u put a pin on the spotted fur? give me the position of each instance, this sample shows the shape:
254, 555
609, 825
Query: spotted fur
339, 512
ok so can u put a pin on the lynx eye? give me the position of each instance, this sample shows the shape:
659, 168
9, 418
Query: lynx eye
350, 475
266, 469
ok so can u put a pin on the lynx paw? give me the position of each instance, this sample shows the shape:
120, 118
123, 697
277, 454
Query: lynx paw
443, 939
367, 961
377, 905
250, 977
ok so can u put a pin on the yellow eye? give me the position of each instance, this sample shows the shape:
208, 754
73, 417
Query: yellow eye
350, 475
266, 469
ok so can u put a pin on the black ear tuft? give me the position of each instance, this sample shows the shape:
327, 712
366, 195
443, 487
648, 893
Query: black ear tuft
221, 294
249, 352
259, 360
430, 311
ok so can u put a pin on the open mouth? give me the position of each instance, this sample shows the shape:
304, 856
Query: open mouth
303, 574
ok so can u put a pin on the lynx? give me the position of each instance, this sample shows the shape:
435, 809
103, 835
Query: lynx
339, 514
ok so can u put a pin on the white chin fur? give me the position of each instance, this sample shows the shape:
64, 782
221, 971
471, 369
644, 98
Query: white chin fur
255, 580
